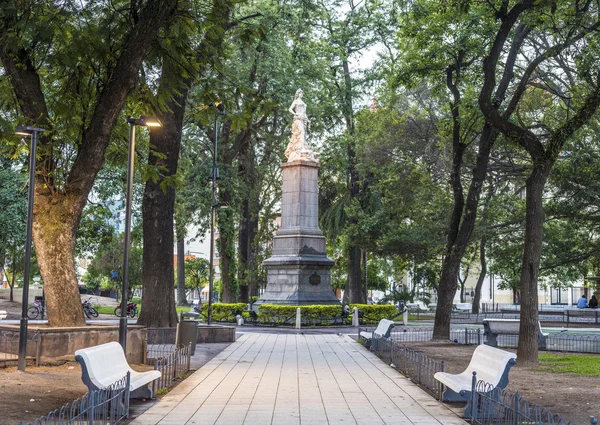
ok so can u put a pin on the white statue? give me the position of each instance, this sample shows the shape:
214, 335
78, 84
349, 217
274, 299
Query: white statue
298, 149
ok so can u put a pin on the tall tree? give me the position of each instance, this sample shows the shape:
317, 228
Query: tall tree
45, 48
546, 37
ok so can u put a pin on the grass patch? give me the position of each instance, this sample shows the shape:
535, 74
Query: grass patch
572, 364
105, 309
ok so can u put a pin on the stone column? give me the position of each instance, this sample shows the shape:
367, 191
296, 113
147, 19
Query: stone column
298, 272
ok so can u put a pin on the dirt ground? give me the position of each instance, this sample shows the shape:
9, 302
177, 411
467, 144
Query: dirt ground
573, 397
25, 396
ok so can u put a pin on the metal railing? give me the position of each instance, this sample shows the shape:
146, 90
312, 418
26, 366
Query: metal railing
172, 362
98, 407
9, 346
556, 341
414, 364
489, 406
494, 406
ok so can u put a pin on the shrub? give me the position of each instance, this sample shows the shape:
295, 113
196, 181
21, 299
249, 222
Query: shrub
222, 312
374, 313
311, 314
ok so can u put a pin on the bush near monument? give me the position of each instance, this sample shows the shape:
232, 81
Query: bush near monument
373, 313
225, 312
317, 314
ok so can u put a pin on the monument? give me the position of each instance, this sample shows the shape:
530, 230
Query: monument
298, 272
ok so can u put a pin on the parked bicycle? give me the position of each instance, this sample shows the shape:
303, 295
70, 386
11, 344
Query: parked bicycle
35, 310
132, 310
88, 310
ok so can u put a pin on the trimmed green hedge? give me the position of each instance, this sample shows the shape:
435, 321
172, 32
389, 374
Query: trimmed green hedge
222, 312
373, 313
311, 314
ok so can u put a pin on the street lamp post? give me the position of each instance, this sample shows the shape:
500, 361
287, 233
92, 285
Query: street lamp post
133, 122
32, 132
214, 175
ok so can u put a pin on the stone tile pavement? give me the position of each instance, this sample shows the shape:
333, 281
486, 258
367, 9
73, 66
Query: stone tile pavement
293, 379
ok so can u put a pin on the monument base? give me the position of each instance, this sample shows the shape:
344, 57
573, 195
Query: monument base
298, 272
297, 280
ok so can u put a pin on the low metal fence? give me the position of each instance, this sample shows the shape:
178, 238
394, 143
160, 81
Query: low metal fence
556, 341
108, 406
493, 406
414, 364
489, 406
9, 346
173, 362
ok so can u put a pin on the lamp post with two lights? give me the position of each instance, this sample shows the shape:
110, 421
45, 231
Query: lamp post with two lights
34, 133
133, 122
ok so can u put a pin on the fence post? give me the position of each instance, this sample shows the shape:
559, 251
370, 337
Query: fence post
298, 318
38, 351
355, 320
420, 366
189, 356
473, 395
440, 385
478, 336
91, 400
517, 408
127, 385
175, 362
466, 336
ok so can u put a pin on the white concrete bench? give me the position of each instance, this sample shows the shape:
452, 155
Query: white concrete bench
419, 306
3, 314
487, 364
384, 329
494, 327
103, 365
463, 307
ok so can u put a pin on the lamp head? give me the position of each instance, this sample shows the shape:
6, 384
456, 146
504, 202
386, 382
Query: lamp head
25, 130
145, 120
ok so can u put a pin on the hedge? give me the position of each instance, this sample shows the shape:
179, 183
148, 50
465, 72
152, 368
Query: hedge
373, 313
222, 312
311, 314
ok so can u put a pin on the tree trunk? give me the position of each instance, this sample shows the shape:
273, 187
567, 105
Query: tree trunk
244, 249
12, 280
451, 266
527, 353
356, 294
481, 278
157, 214
55, 222
448, 281
181, 297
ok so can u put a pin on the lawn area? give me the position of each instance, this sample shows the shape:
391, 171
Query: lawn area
571, 364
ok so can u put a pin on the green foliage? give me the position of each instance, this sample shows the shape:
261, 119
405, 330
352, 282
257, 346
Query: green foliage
374, 313
314, 314
571, 364
224, 312
196, 273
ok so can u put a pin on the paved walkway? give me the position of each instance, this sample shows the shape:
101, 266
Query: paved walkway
297, 379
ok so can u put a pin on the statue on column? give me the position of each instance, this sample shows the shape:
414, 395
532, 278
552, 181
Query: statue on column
298, 148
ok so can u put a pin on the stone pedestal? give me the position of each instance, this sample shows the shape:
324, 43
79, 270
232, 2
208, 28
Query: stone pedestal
298, 271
